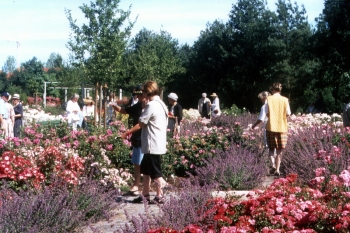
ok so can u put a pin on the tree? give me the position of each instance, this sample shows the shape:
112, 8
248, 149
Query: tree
98, 46
153, 56
209, 63
30, 77
55, 61
9, 65
250, 27
332, 47
290, 43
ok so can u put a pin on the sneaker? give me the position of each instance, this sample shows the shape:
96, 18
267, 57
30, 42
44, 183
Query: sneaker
140, 199
157, 200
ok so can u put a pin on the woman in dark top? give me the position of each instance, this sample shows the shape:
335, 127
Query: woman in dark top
175, 114
17, 107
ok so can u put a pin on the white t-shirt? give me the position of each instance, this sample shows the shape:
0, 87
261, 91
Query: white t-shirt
73, 106
262, 115
215, 106
155, 118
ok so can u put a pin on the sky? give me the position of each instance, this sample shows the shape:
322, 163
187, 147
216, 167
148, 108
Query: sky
40, 27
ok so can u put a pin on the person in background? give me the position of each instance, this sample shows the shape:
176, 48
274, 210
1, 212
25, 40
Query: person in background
277, 111
134, 98
153, 121
174, 115
134, 112
215, 105
319, 104
73, 112
346, 115
204, 106
10, 119
18, 109
263, 119
88, 112
4, 112
111, 115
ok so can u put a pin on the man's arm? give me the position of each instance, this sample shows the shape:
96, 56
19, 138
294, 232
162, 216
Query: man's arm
119, 109
132, 130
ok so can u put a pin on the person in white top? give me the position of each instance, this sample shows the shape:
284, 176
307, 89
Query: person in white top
10, 120
215, 105
263, 118
73, 112
89, 112
153, 121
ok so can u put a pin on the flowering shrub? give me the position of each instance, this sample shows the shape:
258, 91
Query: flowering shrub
53, 101
234, 168
19, 170
283, 207
32, 100
189, 152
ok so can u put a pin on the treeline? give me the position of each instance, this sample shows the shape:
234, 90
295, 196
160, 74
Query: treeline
236, 59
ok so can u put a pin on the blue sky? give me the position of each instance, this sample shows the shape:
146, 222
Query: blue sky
41, 26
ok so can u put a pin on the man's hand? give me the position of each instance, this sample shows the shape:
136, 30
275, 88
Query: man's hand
124, 135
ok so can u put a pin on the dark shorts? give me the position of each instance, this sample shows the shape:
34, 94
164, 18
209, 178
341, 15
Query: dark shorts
276, 140
151, 165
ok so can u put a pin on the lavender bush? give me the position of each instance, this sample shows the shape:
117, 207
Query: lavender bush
314, 148
233, 168
56, 208
183, 207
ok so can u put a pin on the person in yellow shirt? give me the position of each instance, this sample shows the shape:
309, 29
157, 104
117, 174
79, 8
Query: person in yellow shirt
277, 111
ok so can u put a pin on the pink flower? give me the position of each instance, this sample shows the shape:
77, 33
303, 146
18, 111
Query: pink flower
109, 147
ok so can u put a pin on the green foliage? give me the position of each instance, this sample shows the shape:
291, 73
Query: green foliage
234, 111
188, 152
10, 64
153, 56
99, 45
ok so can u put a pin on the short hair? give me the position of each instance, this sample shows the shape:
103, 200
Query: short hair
263, 94
150, 88
75, 95
276, 87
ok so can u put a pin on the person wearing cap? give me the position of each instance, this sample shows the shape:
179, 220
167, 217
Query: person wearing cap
134, 112
11, 119
215, 106
204, 106
73, 112
18, 109
88, 112
3, 111
134, 98
174, 115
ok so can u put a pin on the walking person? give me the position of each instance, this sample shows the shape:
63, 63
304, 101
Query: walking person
111, 115
204, 106
277, 111
153, 121
263, 119
174, 115
346, 115
4, 112
88, 113
10, 119
215, 105
134, 112
18, 109
73, 112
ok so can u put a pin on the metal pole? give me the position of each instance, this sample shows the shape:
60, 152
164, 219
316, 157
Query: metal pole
44, 95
